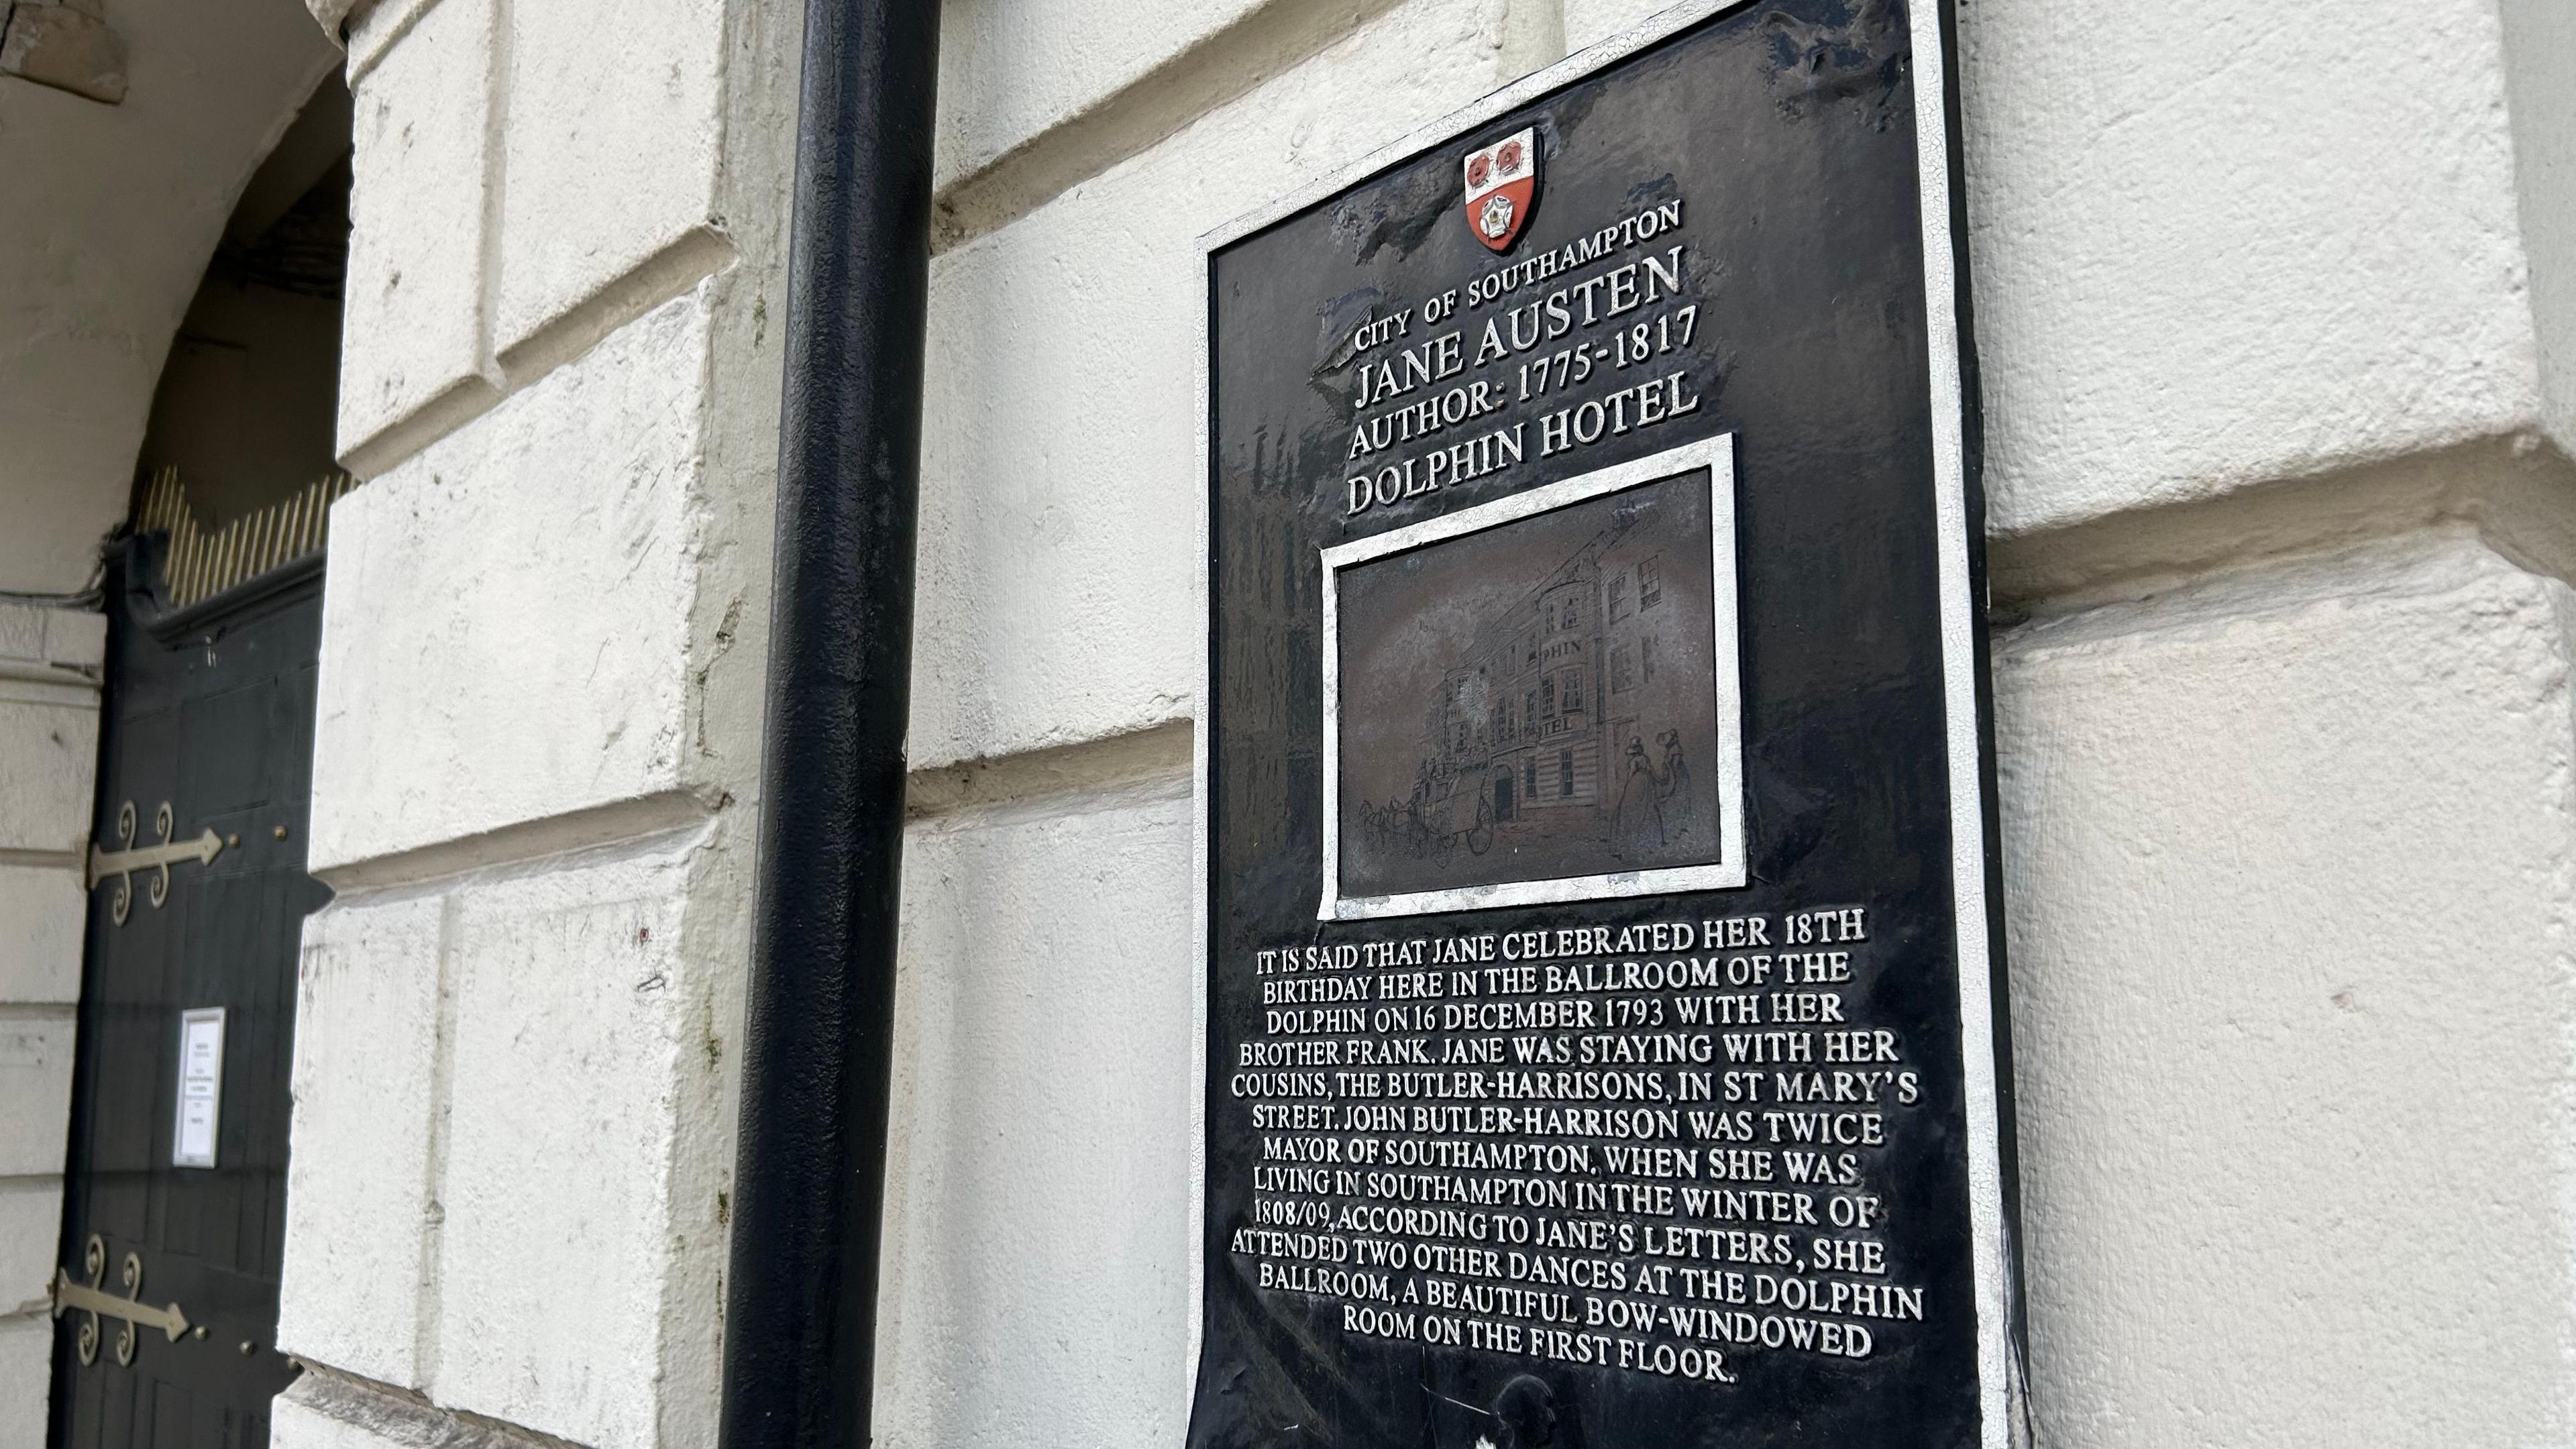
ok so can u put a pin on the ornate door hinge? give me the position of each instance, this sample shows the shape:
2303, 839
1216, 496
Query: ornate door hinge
123, 863
89, 1298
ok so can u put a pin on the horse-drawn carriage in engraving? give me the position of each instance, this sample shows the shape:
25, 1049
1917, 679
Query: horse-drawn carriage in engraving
1444, 813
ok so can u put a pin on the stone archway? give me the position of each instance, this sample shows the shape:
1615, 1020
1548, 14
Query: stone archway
114, 213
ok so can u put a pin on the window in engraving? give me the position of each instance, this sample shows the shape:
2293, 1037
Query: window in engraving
1650, 581
1565, 772
1618, 598
1623, 669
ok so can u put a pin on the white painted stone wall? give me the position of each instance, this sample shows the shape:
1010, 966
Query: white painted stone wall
2275, 311
537, 744
2294, 1021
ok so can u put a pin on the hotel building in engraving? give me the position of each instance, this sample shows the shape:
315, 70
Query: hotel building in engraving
1566, 694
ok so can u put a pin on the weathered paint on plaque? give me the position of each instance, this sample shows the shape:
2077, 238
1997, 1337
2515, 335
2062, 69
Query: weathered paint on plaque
1603, 998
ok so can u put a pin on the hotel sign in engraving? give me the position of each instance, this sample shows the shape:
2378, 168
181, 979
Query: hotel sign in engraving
1602, 983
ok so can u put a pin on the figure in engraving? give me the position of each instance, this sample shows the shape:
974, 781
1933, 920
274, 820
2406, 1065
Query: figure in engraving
1678, 800
1639, 827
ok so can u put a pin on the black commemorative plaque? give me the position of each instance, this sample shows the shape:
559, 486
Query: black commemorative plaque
1603, 988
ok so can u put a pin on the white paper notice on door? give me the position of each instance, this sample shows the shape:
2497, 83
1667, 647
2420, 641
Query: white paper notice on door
201, 1086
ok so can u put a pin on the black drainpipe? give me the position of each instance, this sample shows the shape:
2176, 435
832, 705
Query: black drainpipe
809, 1176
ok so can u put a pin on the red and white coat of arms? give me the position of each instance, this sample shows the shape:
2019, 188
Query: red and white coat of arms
1502, 188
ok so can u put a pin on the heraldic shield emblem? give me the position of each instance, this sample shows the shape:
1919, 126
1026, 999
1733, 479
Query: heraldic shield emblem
1502, 188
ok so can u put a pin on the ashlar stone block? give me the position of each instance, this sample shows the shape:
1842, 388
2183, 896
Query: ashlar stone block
1009, 72
567, 1268
36, 1088
610, 154
412, 334
506, 618
361, 1206
48, 755
2214, 245
75, 639
26, 1357
22, 634
2287, 869
30, 1228
1037, 1223
42, 909
2200, 263
65, 643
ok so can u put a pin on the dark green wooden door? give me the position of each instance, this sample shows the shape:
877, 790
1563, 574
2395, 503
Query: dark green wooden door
215, 720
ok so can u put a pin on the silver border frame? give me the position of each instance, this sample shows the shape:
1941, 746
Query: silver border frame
1717, 455
1999, 1377
179, 1117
